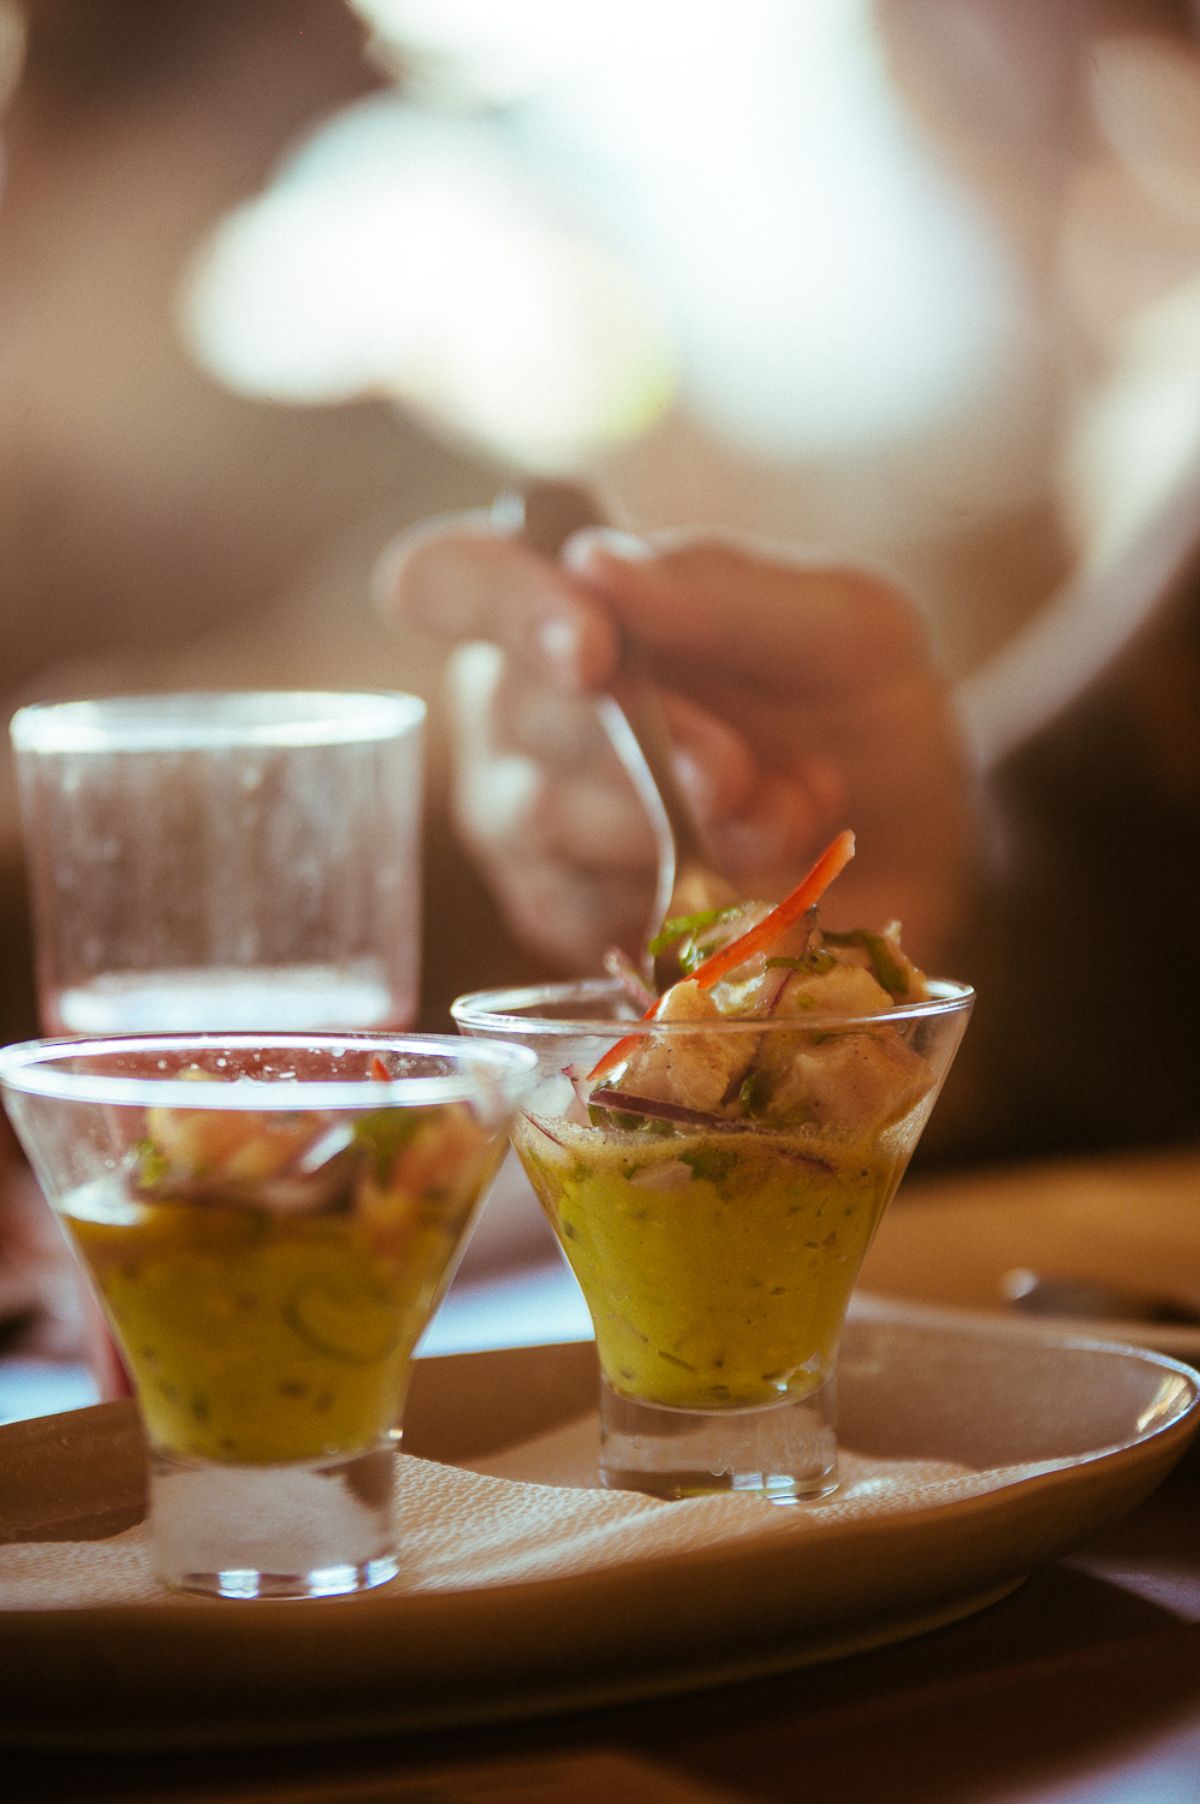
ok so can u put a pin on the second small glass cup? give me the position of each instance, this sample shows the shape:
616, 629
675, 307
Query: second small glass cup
270, 1222
717, 1256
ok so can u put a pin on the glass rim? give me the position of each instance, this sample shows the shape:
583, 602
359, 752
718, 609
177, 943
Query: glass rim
193, 719
40, 1068
499, 1012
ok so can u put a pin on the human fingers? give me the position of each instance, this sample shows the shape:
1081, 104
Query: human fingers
708, 603
536, 771
526, 714
557, 854
461, 579
570, 915
758, 820
783, 822
760, 814
502, 710
713, 759
513, 809
714, 763
521, 792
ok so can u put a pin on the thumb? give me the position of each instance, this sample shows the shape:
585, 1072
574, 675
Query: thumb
765, 616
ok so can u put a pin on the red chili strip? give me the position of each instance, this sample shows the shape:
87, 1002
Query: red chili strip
770, 929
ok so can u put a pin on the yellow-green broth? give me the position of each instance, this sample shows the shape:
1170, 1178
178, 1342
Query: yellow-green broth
717, 1268
255, 1337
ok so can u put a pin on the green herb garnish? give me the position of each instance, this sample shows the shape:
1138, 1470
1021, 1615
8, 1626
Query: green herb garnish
384, 1132
685, 932
680, 926
814, 964
883, 962
755, 1092
626, 1122
710, 1162
150, 1165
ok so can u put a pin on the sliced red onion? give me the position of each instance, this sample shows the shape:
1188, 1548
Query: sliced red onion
803, 935
620, 966
579, 1082
810, 1161
543, 1127
624, 1102
771, 1000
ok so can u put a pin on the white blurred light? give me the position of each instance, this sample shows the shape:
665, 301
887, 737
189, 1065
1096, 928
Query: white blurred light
1142, 432
831, 286
398, 256
826, 285
500, 51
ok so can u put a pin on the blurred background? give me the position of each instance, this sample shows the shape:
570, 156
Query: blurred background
910, 280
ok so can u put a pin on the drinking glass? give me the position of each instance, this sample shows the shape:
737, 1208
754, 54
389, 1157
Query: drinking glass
244, 860
717, 1251
269, 1223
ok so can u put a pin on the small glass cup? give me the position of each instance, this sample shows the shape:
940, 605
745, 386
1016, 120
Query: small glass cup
269, 1222
717, 1257
236, 861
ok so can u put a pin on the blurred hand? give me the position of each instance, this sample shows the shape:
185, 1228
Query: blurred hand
801, 698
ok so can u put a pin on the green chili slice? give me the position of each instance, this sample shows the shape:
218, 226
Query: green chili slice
883, 962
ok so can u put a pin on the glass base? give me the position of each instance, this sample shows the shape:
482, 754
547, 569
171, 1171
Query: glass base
782, 1452
303, 1530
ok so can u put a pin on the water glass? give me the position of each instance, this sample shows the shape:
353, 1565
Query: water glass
242, 860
